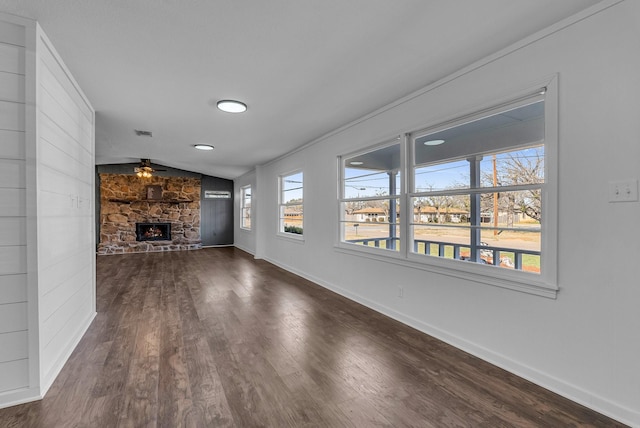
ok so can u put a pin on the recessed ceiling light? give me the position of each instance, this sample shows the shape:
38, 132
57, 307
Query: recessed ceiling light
433, 142
356, 163
203, 147
232, 106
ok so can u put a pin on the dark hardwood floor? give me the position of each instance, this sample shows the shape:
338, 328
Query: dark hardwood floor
213, 338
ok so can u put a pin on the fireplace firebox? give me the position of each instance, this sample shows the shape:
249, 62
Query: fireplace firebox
153, 231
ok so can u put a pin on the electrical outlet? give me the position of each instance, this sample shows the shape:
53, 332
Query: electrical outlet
623, 191
400, 292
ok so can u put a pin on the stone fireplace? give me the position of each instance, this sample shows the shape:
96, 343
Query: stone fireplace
153, 214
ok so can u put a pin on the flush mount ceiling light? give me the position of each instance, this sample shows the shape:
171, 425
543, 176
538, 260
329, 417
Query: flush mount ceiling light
433, 142
232, 106
356, 163
203, 147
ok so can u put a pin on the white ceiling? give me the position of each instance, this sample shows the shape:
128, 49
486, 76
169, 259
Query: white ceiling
304, 67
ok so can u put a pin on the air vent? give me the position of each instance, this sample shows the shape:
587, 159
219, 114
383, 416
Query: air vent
140, 133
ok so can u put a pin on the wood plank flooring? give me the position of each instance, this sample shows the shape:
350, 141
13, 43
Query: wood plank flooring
213, 338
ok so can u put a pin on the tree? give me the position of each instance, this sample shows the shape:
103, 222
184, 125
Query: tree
519, 168
527, 169
352, 206
441, 202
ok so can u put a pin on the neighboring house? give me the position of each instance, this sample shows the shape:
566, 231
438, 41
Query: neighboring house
369, 214
428, 214
420, 215
293, 217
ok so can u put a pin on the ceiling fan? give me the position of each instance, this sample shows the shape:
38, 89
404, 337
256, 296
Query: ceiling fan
144, 170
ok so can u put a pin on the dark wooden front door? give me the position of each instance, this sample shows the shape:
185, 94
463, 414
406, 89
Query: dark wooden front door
216, 214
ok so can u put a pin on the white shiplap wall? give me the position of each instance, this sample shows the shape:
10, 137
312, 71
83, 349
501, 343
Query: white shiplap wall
14, 358
66, 243
47, 238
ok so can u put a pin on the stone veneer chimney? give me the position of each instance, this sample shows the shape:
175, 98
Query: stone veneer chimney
124, 202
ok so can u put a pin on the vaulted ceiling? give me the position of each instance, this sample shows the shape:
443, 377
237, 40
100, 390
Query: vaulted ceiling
303, 67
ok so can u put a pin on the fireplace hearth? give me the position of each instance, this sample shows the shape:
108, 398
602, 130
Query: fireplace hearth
153, 231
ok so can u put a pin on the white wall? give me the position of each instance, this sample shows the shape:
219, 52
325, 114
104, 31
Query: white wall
47, 239
584, 344
14, 328
66, 237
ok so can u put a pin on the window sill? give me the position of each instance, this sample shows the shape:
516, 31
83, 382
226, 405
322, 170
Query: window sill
518, 281
293, 237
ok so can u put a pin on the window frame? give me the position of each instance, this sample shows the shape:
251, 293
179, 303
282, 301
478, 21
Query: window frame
543, 284
282, 205
243, 207
400, 197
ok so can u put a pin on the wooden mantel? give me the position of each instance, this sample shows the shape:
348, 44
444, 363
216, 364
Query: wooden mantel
155, 201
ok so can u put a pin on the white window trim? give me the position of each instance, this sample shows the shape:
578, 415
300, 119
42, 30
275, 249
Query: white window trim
544, 284
401, 197
243, 190
280, 231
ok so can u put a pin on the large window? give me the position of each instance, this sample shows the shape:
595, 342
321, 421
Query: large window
245, 207
477, 189
471, 197
370, 202
291, 204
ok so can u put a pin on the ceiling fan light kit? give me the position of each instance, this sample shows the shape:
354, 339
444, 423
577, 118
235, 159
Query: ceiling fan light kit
144, 170
143, 174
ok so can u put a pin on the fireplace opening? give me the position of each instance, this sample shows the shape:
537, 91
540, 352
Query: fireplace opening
153, 231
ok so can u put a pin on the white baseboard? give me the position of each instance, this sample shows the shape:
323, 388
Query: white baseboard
246, 250
19, 396
26, 395
51, 376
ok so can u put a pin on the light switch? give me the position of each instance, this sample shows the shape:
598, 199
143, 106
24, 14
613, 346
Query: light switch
623, 191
